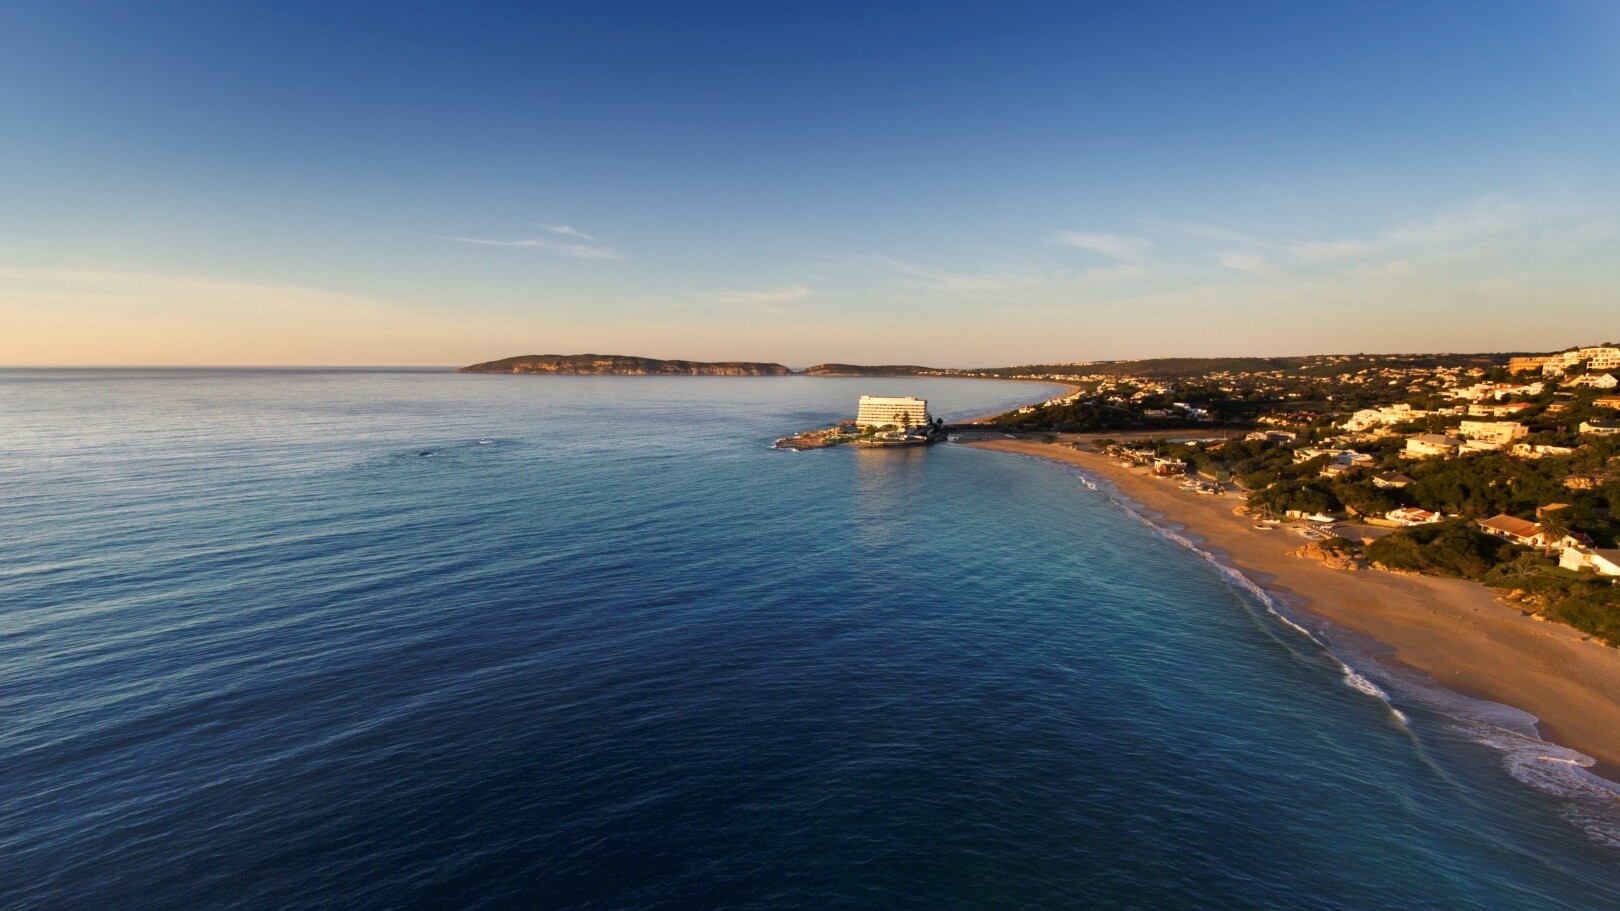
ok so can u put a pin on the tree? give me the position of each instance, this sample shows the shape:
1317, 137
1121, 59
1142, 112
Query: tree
1554, 528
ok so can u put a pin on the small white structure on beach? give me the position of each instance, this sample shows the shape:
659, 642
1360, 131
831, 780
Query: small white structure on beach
901, 411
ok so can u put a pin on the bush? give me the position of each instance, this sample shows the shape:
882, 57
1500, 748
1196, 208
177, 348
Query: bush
1448, 549
1596, 612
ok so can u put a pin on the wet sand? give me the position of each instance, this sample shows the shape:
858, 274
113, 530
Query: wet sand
1455, 631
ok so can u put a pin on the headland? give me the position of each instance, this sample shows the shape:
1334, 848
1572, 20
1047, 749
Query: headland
621, 365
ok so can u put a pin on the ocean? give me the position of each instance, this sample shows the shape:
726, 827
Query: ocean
412, 639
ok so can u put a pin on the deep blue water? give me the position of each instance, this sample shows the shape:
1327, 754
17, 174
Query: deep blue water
276, 639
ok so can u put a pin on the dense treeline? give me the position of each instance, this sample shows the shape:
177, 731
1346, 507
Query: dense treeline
1473, 486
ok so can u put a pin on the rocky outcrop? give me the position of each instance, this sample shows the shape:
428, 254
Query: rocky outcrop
621, 365
1332, 559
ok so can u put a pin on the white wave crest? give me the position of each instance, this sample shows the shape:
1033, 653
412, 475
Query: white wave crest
1589, 802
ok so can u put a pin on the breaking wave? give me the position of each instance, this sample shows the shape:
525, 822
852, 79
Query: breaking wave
1588, 801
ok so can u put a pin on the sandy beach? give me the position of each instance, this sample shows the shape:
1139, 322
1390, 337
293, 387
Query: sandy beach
1455, 631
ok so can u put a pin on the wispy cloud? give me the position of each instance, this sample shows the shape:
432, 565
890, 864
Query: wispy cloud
1126, 248
945, 281
1481, 219
566, 231
1208, 232
786, 294
1252, 263
1328, 251
546, 244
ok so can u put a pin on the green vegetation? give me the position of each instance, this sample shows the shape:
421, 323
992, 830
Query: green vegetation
1300, 459
1584, 601
1453, 548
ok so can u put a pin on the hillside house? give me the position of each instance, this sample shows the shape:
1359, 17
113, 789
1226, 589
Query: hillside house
1431, 446
1603, 561
1411, 515
1391, 480
1498, 432
1526, 532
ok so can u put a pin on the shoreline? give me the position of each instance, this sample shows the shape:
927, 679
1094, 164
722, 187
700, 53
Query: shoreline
1453, 633
1068, 389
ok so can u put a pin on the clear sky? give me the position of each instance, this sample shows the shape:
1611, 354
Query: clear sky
961, 184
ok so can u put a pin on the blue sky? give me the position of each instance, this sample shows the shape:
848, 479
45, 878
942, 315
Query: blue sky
960, 184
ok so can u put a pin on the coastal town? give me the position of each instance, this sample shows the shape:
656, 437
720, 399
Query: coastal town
1502, 470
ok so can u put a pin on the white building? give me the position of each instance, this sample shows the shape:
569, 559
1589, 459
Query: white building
1604, 561
1496, 432
1431, 445
1411, 515
1594, 381
1539, 451
1368, 418
1601, 358
901, 411
1496, 409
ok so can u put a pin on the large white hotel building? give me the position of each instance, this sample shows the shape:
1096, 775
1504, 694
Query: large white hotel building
902, 411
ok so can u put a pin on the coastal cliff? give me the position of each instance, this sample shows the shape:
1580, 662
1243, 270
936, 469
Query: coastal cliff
621, 365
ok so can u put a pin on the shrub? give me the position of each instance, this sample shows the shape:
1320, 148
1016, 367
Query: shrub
1448, 549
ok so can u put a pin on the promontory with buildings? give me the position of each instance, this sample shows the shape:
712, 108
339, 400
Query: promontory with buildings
880, 421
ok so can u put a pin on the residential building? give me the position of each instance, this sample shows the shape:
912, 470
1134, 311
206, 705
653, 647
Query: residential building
1539, 451
1604, 358
1166, 468
1496, 409
1604, 561
1594, 381
1391, 480
1526, 364
1607, 401
1431, 446
1495, 391
1410, 515
1600, 428
1601, 357
1497, 432
901, 411
1368, 418
1525, 532
1519, 531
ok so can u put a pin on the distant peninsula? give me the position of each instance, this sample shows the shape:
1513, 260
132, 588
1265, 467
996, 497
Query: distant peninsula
621, 365
628, 365
885, 370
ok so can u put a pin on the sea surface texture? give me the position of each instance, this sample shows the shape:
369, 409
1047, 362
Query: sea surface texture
366, 640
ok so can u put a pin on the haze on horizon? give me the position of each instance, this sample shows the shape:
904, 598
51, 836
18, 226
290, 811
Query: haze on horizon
957, 184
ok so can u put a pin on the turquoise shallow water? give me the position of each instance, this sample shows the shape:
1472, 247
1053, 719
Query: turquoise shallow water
304, 639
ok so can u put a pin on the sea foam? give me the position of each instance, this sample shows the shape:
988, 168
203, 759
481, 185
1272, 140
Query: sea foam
1589, 802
